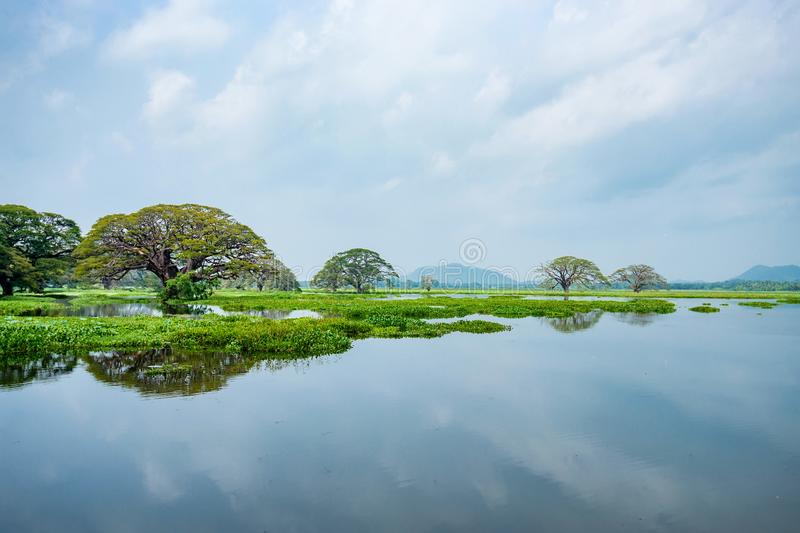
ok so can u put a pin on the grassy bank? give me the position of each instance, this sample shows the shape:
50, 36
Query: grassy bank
612, 293
21, 337
347, 317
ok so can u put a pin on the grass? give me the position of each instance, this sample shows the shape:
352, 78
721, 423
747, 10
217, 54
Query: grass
615, 293
41, 304
760, 305
347, 317
705, 308
22, 336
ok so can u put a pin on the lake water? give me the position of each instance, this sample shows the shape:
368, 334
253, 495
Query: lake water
602, 422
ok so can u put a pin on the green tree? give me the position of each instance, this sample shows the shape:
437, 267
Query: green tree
202, 242
35, 247
639, 277
567, 271
273, 274
358, 268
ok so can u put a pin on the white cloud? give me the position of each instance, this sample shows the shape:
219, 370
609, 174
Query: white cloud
390, 185
494, 91
399, 108
566, 12
168, 91
442, 164
652, 85
58, 36
56, 99
122, 141
181, 25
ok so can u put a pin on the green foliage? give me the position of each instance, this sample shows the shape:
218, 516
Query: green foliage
350, 316
790, 300
639, 277
739, 285
705, 308
184, 288
567, 271
760, 305
169, 240
358, 268
35, 248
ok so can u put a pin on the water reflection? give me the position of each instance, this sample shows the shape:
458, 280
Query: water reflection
161, 309
576, 322
685, 425
48, 367
165, 371
636, 319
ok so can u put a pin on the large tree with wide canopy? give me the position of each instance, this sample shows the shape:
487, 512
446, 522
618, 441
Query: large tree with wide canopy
203, 242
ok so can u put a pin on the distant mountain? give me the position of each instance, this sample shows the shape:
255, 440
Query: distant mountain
462, 276
768, 273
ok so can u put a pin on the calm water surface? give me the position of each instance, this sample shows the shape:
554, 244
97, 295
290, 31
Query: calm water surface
602, 422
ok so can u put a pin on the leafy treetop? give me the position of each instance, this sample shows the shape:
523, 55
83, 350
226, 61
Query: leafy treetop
34, 247
358, 268
639, 277
567, 271
203, 242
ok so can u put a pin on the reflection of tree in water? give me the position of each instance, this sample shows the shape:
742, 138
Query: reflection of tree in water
576, 322
47, 367
149, 371
636, 319
167, 372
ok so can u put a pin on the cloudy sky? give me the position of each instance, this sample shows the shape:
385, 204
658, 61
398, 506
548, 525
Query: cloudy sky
621, 131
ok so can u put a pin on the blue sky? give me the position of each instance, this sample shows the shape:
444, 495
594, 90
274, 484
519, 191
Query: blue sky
622, 131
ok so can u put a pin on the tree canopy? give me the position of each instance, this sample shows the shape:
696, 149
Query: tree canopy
359, 268
168, 240
34, 247
567, 270
639, 277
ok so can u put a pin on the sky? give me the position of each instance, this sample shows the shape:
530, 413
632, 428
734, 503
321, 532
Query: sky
500, 134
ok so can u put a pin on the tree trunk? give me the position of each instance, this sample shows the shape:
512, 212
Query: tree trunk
8, 287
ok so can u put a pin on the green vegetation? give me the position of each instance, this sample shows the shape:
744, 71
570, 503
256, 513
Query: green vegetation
789, 300
607, 293
358, 268
238, 334
567, 271
760, 305
347, 317
35, 247
705, 308
202, 242
639, 277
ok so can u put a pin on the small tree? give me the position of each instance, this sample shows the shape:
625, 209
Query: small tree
359, 268
567, 271
639, 277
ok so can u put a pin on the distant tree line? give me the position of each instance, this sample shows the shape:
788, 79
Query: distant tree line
739, 285
187, 250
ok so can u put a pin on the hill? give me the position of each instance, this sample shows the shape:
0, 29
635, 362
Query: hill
771, 273
457, 275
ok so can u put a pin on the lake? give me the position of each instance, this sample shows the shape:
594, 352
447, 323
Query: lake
600, 422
